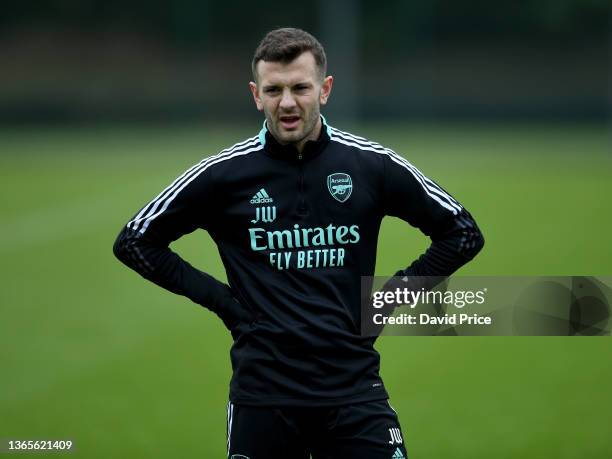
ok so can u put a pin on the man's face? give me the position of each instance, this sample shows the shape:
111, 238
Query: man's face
290, 95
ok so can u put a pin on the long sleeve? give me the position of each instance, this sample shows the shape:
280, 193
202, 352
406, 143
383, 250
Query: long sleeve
418, 200
143, 244
455, 237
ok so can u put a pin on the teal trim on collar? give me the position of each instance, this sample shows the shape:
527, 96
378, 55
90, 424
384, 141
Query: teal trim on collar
262, 134
264, 129
327, 127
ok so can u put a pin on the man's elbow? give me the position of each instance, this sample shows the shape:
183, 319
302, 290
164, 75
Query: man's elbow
476, 244
472, 239
121, 248
134, 251
480, 243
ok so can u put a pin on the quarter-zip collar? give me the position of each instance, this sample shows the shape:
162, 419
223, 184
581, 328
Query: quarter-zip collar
311, 149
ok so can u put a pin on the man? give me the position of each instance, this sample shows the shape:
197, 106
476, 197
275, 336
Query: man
295, 212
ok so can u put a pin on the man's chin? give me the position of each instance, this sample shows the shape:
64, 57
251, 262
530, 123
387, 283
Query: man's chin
286, 137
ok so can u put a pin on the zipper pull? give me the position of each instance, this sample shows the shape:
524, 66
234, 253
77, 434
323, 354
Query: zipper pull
300, 156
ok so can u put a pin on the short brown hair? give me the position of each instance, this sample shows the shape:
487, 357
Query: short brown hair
286, 44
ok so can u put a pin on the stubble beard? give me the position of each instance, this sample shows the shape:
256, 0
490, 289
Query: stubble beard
294, 137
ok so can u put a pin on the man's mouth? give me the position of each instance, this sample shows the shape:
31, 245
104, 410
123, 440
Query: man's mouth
289, 121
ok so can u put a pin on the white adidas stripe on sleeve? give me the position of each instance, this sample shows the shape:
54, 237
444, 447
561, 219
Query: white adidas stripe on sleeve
163, 200
430, 187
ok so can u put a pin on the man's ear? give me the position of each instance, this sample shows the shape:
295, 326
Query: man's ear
253, 88
326, 88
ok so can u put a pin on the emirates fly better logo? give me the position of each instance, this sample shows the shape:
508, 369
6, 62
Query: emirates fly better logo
340, 186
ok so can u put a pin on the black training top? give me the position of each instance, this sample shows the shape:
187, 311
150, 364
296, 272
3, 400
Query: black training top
295, 233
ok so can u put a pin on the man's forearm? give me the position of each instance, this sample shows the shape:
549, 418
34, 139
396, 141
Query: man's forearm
158, 264
450, 251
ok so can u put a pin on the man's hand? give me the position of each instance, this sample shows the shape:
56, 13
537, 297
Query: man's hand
231, 311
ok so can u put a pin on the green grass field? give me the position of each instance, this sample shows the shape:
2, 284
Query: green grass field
91, 352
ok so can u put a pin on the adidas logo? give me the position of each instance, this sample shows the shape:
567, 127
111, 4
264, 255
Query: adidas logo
398, 454
261, 197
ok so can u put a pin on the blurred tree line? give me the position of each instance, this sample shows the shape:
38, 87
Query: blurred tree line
198, 22
76, 59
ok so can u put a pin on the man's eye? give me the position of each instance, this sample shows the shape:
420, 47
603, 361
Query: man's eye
301, 88
271, 90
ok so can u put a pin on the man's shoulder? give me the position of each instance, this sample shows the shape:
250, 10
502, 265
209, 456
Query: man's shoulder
218, 165
358, 143
238, 150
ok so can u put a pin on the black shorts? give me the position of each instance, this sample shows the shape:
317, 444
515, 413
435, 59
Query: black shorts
368, 430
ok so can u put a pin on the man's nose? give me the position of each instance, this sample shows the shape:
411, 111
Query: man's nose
287, 101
